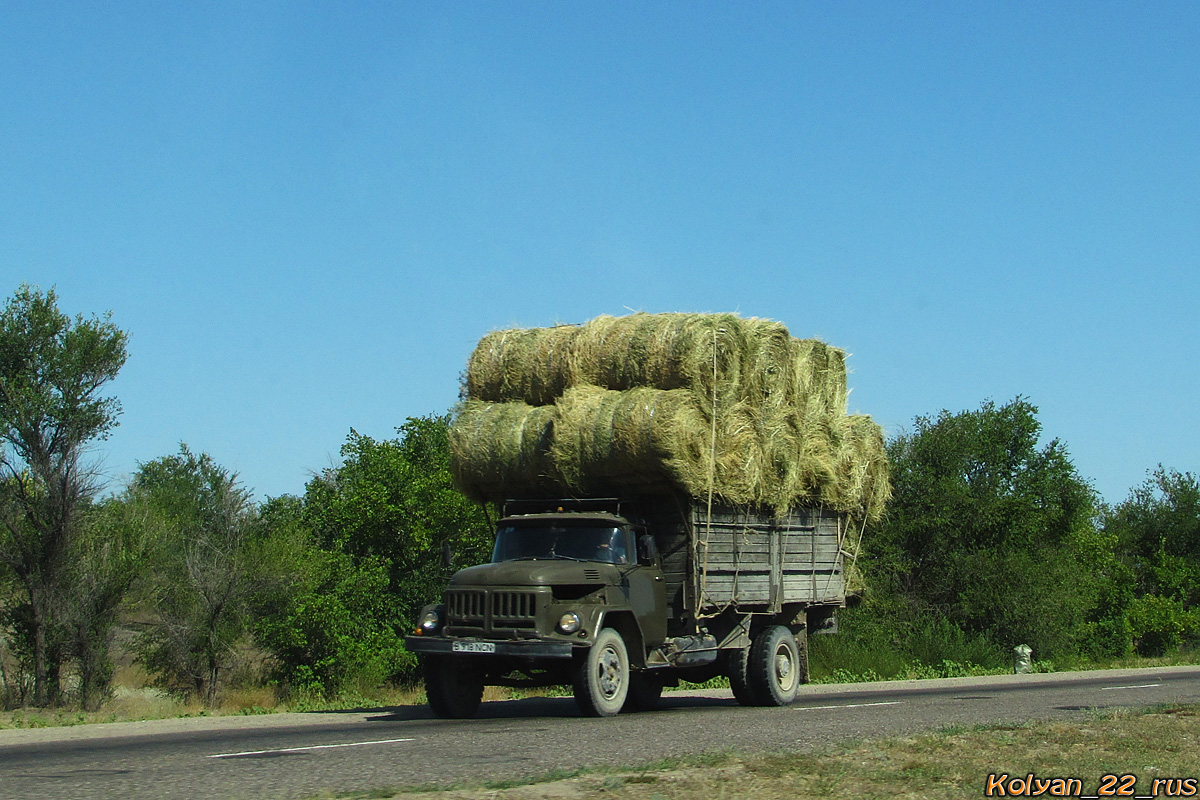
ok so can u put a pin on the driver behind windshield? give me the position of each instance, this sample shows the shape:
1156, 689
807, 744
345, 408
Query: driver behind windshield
611, 549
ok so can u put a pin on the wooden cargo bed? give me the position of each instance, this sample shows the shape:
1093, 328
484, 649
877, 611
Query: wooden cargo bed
747, 560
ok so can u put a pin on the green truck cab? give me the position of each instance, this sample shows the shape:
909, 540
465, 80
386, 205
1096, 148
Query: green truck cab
618, 599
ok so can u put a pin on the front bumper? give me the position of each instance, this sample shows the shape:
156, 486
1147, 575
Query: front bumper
528, 648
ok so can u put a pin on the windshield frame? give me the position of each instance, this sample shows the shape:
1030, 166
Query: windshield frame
603, 541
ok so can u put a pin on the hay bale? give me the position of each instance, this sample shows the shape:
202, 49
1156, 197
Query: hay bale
721, 356
818, 377
530, 366
645, 439
636, 438
699, 352
861, 488
798, 447
500, 450
768, 364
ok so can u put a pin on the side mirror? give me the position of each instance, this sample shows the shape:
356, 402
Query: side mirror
447, 555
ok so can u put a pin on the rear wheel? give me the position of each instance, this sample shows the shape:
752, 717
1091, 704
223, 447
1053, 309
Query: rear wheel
602, 676
775, 667
739, 676
453, 686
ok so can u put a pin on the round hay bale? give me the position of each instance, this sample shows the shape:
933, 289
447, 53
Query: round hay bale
862, 487
818, 376
639, 437
642, 438
501, 450
531, 366
767, 366
799, 447
664, 351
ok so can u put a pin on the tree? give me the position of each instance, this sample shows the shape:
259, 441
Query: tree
204, 570
107, 557
326, 617
15, 686
992, 530
392, 506
1158, 530
52, 372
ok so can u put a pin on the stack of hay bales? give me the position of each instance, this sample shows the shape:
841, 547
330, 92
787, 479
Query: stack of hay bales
649, 402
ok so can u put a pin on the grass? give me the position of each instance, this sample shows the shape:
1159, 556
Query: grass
144, 703
1154, 744
909, 670
887, 640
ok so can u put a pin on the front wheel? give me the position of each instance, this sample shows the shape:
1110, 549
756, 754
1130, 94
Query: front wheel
602, 676
775, 667
453, 686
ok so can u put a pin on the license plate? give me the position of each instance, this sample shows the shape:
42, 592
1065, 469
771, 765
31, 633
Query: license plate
474, 647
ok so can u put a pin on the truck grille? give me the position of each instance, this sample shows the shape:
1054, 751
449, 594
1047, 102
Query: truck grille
513, 605
491, 611
466, 606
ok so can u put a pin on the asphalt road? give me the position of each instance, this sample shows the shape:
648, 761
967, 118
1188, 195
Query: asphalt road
285, 756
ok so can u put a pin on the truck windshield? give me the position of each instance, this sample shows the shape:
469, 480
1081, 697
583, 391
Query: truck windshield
573, 542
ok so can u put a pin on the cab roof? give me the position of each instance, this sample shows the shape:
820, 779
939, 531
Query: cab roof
566, 517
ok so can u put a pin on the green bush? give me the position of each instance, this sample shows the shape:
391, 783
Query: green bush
1160, 624
337, 635
887, 639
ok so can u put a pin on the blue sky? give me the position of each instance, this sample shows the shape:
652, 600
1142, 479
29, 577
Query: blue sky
306, 214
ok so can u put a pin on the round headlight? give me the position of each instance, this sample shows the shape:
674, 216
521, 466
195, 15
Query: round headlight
430, 621
568, 622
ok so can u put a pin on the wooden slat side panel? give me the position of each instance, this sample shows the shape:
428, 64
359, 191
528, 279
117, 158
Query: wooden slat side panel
737, 551
828, 587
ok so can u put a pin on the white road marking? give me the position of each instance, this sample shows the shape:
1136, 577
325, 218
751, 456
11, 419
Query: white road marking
1140, 686
310, 747
850, 705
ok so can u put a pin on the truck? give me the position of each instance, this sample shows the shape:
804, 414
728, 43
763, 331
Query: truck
679, 497
619, 597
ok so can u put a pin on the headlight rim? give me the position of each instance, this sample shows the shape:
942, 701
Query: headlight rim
569, 622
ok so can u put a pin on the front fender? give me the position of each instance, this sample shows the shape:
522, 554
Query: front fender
625, 623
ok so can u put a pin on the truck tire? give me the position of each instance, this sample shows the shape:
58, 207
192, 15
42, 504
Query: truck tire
774, 667
739, 676
602, 676
645, 690
453, 686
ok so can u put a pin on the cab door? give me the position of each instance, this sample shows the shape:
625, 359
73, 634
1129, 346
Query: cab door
647, 590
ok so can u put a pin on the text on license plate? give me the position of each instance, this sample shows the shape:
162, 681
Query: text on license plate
474, 647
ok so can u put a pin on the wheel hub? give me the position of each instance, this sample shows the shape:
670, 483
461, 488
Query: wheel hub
783, 667
610, 673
